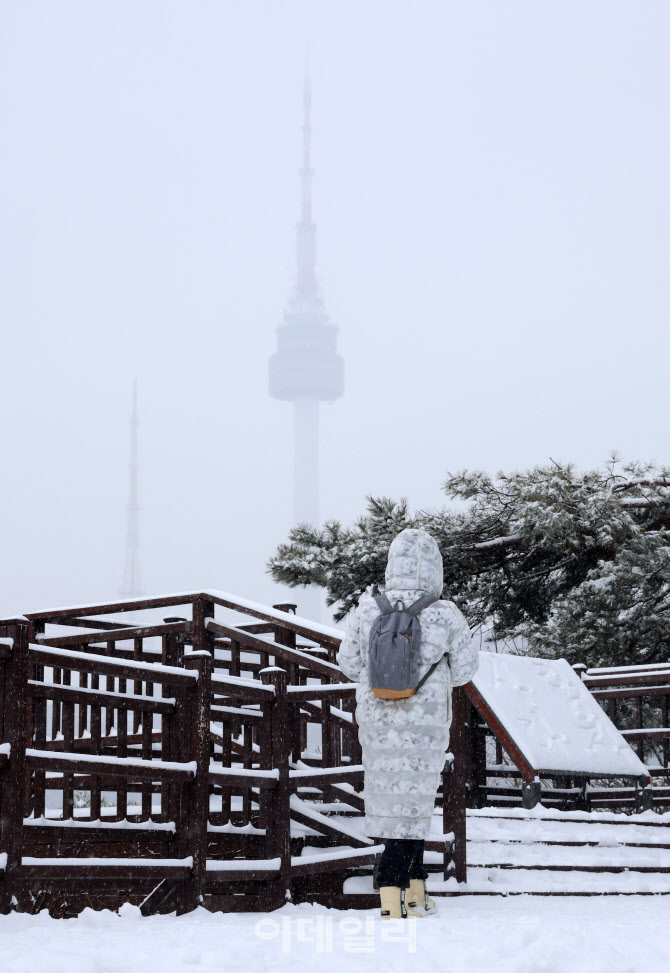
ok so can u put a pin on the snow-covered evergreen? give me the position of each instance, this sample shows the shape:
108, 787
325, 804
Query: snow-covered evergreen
566, 563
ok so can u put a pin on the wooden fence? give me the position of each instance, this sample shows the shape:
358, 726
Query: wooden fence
203, 758
178, 760
636, 698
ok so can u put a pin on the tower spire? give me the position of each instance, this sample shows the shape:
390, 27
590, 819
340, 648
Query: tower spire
306, 173
131, 578
306, 287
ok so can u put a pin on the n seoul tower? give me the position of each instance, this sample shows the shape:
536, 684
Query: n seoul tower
306, 370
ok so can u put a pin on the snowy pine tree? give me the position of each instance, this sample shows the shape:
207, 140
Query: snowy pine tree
560, 562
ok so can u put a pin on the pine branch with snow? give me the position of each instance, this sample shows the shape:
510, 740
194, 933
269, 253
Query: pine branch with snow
566, 563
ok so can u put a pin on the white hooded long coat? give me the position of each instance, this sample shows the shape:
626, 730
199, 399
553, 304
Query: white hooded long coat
405, 741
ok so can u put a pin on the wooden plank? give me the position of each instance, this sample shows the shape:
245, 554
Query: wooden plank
634, 693
328, 775
347, 797
114, 635
45, 830
14, 733
101, 870
235, 714
330, 827
251, 689
317, 666
528, 772
78, 622
68, 743
285, 620
278, 827
454, 784
641, 679
85, 745
224, 873
97, 697
327, 717
146, 755
298, 693
647, 733
238, 777
129, 605
102, 664
196, 794
40, 738
109, 766
334, 862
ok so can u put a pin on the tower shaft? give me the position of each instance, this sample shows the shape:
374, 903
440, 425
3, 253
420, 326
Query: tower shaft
306, 461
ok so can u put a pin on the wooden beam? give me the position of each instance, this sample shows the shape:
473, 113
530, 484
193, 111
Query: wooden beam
99, 697
107, 665
74, 763
117, 635
278, 651
528, 772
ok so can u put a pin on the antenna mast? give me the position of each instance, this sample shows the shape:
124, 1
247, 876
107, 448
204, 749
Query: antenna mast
131, 579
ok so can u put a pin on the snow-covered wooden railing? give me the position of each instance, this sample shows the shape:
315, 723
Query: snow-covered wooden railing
210, 749
637, 700
188, 739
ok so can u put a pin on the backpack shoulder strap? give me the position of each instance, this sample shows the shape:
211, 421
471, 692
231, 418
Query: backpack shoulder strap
423, 602
429, 673
383, 604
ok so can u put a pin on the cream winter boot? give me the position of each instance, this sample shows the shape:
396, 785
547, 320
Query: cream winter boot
392, 902
419, 903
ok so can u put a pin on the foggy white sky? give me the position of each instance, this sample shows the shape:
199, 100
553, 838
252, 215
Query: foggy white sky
492, 201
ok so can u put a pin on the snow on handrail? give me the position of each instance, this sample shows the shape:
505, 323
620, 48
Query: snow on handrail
222, 598
84, 824
108, 862
331, 856
217, 771
244, 865
337, 689
648, 667
239, 682
132, 763
103, 693
309, 773
113, 635
154, 670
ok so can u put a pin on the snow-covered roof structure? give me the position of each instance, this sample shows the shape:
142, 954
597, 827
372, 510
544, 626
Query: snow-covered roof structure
553, 719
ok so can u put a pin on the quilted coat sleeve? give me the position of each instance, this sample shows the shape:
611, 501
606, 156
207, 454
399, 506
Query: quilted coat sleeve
350, 654
463, 652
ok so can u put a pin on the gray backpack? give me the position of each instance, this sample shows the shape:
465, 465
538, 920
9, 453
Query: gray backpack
395, 640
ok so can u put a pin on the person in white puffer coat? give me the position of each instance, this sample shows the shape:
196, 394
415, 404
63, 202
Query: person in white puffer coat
405, 741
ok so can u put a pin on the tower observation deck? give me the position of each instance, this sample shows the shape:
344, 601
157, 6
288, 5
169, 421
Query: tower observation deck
306, 369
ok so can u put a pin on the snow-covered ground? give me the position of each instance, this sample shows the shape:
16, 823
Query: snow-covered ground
480, 935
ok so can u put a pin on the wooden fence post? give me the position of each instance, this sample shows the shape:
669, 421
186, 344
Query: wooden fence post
279, 839
194, 803
456, 783
282, 635
13, 733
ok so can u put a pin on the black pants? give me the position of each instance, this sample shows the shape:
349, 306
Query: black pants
402, 859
